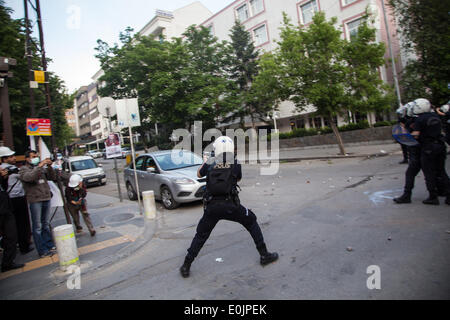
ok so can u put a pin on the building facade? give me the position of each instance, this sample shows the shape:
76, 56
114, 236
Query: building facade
264, 18
82, 113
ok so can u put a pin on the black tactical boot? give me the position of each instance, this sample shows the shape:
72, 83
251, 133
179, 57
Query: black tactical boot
266, 257
404, 198
405, 161
185, 268
432, 199
269, 258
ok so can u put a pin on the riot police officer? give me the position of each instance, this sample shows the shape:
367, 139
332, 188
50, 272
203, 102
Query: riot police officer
414, 166
402, 119
428, 130
444, 112
222, 203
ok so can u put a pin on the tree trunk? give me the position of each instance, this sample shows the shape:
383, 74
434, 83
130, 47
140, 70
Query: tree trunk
337, 134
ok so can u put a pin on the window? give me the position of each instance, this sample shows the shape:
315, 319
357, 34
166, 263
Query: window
352, 28
308, 10
150, 163
242, 13
257, 6
260, 35
346, 2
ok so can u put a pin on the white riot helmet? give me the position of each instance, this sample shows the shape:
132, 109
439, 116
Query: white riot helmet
445, 108
421, 106
6, 152
75, 180
223, 145
409, 109
401, 112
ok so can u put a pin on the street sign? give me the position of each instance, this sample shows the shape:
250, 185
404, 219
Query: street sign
39, 127
107, 103
39, 76
128, 113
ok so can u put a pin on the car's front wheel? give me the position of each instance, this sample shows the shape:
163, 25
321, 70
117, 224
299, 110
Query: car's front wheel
130, 192
167, 199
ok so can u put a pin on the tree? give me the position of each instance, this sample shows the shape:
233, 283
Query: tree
177, 82
314, 66
243, 69
426, 33
12, 44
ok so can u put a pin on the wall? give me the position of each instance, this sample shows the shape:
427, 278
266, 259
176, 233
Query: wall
365, 135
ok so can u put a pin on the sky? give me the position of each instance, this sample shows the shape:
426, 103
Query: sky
72, 27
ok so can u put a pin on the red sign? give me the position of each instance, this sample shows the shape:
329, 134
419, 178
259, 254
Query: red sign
39, 127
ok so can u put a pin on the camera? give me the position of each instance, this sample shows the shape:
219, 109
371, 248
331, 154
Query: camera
12, 171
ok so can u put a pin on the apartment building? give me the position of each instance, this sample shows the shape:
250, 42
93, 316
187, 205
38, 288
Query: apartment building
165, 25
71, 119
263, 19
82, 113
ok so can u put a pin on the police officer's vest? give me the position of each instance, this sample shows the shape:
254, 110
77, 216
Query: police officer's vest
221, 180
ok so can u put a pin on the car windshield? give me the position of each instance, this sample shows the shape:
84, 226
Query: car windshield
83, 165
178, 160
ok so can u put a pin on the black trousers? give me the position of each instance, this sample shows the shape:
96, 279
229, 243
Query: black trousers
414, 168
433, 157
405, 152
225, 210
9, 238
22, 216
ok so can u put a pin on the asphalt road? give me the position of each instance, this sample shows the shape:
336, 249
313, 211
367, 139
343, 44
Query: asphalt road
329, 220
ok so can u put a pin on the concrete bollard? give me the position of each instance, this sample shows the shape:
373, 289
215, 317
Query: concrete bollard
66, 245
148, 199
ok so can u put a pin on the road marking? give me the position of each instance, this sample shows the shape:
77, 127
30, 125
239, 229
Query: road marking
43, 262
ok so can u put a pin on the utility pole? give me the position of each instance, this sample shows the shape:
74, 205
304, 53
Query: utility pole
29, 58
49, 106
394, 68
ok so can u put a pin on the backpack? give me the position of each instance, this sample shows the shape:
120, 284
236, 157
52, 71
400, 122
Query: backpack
221, 180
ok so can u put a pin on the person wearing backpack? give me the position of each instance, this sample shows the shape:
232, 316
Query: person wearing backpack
221, 202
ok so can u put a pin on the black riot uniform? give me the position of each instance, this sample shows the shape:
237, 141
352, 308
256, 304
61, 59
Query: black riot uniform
404, 121
433, 155
224, 207
414, 165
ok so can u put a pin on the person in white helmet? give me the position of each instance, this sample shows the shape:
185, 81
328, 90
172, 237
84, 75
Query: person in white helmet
444, 112
76, 202
222, 203
19, 202
428, 130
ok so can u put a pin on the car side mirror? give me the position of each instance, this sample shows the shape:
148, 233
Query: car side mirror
151, 170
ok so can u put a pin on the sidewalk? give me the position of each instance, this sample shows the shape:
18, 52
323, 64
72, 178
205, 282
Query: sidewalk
121, 230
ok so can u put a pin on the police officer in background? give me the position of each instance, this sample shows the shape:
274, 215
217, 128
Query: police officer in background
414, 165
444, 112
222, 203
402, 119
428, 130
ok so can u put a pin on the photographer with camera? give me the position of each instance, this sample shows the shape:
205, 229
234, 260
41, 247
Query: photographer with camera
34, 176
19, 203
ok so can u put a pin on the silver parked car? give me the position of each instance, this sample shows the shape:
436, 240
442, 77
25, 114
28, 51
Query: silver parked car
172, 175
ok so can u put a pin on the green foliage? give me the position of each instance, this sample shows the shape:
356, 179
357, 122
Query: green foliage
12, 44
385, 124
314, 66
425, 29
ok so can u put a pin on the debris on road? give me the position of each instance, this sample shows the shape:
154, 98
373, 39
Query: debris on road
349, 249
219, 260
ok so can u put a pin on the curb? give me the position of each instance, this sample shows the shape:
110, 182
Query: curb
146, 235
298, 159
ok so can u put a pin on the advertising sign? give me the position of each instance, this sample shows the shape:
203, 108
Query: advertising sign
39, 127
112, 146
